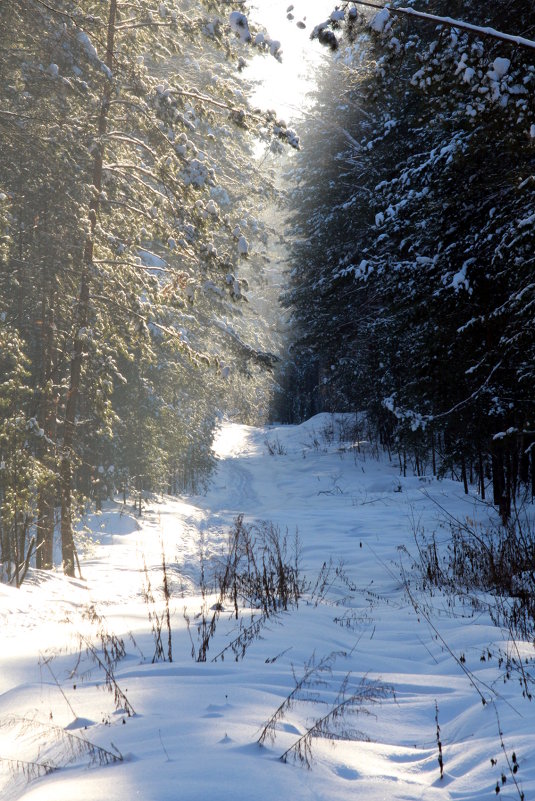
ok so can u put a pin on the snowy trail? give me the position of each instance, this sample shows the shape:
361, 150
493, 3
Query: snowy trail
240, 487
196, 724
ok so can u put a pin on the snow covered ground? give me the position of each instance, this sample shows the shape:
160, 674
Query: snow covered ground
193, 726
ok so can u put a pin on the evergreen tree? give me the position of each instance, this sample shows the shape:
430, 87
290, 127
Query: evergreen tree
412, 287
125, 232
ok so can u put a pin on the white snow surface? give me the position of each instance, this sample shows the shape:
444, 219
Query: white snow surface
240, 25
501, 66
194, 732
380, 21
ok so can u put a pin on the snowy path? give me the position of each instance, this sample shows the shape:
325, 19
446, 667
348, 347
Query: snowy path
194, 733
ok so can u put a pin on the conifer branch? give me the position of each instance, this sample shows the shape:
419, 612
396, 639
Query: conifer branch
477, 30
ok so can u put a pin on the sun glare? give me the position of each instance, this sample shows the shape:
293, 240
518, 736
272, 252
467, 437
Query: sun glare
284, 85
230, 440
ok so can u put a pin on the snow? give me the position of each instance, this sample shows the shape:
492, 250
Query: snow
338, 15
212, 209
197, 173
460, 279
501, 66
520, 41
196, 724
380, 20
468, 74
243, 246
274, 46
527, 221
150, 259
240, 25
91, 52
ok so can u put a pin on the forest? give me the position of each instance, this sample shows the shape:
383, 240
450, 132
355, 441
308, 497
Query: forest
267, 400
135, 235
129, 202
411, 272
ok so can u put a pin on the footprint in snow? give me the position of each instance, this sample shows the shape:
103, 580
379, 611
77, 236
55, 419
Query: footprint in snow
287, 727
79, 723
346, 773
216, 710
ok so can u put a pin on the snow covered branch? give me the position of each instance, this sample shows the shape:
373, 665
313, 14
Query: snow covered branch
478, 30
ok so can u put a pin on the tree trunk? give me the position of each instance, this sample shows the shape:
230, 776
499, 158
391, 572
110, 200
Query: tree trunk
82, 317
498, 481
463, 474
44, 558
523, 469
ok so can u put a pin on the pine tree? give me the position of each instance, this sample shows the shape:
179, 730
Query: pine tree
126, 173
413, 289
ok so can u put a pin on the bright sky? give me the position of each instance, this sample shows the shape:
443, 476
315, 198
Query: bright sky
284, 85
